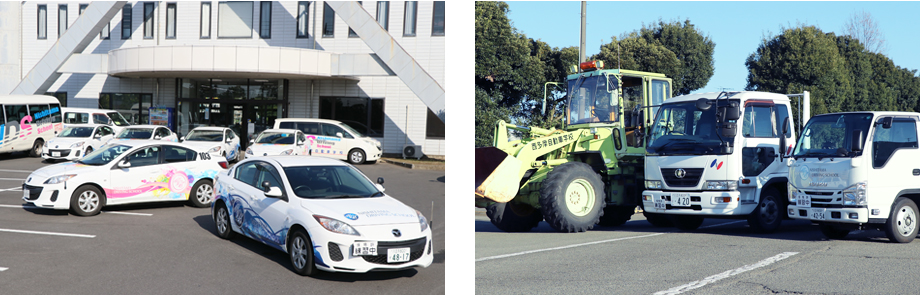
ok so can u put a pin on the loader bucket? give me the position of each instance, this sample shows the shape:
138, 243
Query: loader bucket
497, 174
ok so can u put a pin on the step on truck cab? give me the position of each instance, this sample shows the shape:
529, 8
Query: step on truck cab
719, 155
858, 170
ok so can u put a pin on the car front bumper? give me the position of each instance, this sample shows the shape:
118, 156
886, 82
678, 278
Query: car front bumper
701, 203
52, 196
334, 252
841, 215
62, 154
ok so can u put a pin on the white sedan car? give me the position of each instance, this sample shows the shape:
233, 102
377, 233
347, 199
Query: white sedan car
123, 173
285, 142
324, 213
218, 141
154, 132
76, 141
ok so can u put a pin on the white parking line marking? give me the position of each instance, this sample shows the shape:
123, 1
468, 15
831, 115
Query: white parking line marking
21, 171
4, 268
112, 212
586, 244
16, 179
46, 233
18, 188
20, 206
728, 273
128, 213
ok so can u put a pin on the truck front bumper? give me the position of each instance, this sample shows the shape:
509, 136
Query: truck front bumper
701, 203
842, 215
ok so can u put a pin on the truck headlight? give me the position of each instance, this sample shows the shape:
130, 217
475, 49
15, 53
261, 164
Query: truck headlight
287, 152
336, 226
653, 184
215, 149
77, 144
790, 192
855, 195
721, 185
59, 179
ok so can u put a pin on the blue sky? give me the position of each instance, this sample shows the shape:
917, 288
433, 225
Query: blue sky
736, 27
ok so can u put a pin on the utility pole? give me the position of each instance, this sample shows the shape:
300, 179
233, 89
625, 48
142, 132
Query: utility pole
581, 48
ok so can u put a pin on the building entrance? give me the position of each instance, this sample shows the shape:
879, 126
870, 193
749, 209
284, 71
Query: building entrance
246, 106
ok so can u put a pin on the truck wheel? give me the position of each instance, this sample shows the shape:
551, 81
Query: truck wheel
513, 217
901, 226
616, 215
572, 197
687, 222
768, 214
658, 219
834, 233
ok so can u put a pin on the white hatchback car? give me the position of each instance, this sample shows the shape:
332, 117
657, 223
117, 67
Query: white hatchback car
218, 141
123, 173
324, 213
76, 141
285, 142
154, 132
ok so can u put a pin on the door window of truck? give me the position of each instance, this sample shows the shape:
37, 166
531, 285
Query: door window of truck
901, 135
758, 121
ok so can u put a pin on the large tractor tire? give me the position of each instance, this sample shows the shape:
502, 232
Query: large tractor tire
511, 217
769, 212
616, 215
572, 197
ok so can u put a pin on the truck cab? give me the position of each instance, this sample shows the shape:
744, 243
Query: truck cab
858, 170
719, 155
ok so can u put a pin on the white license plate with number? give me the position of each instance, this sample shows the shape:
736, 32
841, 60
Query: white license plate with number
55, 154
680, 200
25, 193
398, 255
660, 203
817, 213
364, 248
803, 201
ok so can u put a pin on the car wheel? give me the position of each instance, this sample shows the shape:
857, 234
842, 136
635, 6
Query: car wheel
687, 222
832, 232
300, 248
87, 200
202, 194
222, 221
36, 148
901, 226
356, 156
511, 217
769, 212
572, 197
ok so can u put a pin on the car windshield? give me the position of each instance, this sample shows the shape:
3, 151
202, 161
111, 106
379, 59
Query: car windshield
104, 155
118, 119
831, 135
205, 135
276, 138
136, 133
682, 128
352, 130
77, 132
330, 182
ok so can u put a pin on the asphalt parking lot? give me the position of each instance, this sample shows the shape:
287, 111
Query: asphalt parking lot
171, 248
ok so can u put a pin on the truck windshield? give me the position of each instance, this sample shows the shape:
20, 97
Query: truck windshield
831, 135
681, 128
592, 100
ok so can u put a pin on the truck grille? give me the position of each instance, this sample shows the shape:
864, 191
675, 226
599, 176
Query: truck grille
690, 180
416, 248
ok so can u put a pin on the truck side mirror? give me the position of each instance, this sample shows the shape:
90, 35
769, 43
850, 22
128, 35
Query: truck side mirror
703, 104
857, 143
886, 122
729, 130
732, 111
782, 139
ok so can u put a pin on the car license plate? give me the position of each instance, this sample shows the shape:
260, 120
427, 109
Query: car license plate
364, 248
55, 154
25, 193
818, 213
398, 255
803, 201
660, 203
680, 200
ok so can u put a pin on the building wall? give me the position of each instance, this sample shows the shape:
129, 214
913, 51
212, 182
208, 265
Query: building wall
10, 37
406, 114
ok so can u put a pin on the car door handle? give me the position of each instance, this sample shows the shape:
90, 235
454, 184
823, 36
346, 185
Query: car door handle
916, 172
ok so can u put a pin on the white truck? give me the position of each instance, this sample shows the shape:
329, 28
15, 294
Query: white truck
856, 171
699, 166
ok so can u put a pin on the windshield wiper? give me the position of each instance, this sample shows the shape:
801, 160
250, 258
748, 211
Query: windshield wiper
375, 194
344, 197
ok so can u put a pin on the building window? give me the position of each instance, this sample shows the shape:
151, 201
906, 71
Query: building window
383, 12
409, 18
234, 20
42, 21
135, 107
435, 127
206, 20
351, 33
171, 21
437, 23
303, 15
363, 114
61, 96
82, 8
148, 19
62, 19
265, 20
328, 21
126, 25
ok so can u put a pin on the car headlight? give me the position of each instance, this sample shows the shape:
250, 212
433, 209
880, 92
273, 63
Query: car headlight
287, 152
59, 179
791, 190
855, 195
372, 142
249, 151
77, 144
336, 226
721, 185
653, 184
215, 149
423, 222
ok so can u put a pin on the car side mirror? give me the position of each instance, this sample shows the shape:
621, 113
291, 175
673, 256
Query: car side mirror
157, 137
273, 192
338, 134
228, 140
97, 136
124, 164
380, 187
181, 139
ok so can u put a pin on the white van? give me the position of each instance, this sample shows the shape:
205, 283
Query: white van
334, 139
110, 118
28, 121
